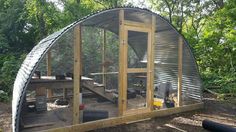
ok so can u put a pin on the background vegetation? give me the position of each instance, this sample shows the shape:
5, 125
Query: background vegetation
209, 26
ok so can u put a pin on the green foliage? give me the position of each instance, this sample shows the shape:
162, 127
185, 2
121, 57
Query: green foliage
42, 16
9, 69
4, 97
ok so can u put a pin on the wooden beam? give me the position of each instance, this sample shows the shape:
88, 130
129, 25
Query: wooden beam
136, 70
137, 29
121, 60
49, 72
180, 67
123, 119
136, 24
125, 70
103, 59
136, 111
77, 73
152, 60
100, 73
38, 125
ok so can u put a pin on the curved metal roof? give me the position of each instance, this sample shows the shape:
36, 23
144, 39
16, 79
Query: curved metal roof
107, 19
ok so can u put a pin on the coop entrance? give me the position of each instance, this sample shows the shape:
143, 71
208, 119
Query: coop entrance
136, 69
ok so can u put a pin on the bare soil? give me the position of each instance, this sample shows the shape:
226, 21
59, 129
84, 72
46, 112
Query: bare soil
216, 110
5, 117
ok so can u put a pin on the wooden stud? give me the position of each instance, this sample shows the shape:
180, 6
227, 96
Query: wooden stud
149, 71
121, 60
136, 70
103, 59
152, 59
49, 72
137, 29
180, 61
49, 63
124, 119
77, 73
136, 24
125, 70
38, 125
100, 73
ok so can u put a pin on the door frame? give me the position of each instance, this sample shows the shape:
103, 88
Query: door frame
125, 70
128, 70
142, 27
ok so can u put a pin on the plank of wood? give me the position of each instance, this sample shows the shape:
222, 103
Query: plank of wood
149, 95
49, 72
77, 73
180, 69
137, 29
136, 24
136, 70
39, 125
125, 70
152, 65
101, 73
103, 59
121, 60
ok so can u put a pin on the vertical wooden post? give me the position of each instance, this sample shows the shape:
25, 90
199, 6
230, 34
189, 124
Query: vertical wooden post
103, 59
180, 62
77, 73
49, 72
153, 31
121, 60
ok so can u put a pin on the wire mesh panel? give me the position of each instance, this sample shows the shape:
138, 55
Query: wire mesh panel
100, 63
136, 92
53, 74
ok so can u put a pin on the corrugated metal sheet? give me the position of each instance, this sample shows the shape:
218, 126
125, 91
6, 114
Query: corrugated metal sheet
166, 54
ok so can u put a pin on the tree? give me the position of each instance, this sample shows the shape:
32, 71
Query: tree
42, 16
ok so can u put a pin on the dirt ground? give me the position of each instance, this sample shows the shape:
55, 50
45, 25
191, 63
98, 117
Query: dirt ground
216, 110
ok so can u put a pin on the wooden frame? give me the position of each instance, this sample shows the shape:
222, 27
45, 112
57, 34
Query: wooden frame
121, 99
77, 73
49, 72
136, 70
103, 59
180, 67
146, 70
125, 119
125, 26
152, 60
136, 24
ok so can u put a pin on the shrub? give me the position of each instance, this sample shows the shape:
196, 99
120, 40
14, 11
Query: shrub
9, 69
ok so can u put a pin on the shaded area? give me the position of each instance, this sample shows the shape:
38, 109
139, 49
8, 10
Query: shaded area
219, 111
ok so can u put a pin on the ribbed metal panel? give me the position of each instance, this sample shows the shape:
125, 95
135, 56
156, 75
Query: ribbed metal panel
166, 63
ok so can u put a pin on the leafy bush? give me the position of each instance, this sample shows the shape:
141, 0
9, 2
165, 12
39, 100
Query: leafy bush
10, 65
4, 97
220, 83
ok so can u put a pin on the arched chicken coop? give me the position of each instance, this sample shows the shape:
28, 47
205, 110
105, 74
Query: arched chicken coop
112, 67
